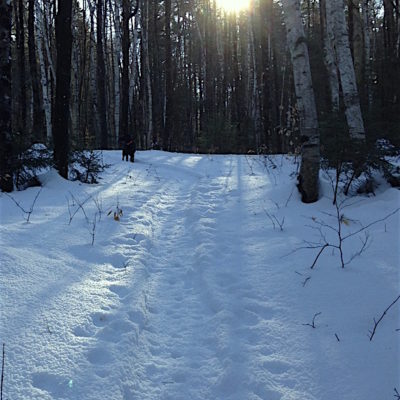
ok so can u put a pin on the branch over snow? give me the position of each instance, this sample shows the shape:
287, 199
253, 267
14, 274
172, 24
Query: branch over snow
376, 323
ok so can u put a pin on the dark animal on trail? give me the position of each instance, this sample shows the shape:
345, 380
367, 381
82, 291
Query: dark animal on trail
129, 151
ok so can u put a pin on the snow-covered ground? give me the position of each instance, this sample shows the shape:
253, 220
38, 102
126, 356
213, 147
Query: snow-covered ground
193, 294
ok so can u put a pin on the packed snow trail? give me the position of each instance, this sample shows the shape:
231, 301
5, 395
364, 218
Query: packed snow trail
187, 296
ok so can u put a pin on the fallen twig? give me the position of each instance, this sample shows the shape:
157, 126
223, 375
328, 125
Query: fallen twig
313, 320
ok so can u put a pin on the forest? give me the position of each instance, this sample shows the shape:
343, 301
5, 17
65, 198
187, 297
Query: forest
244, 245
192, 76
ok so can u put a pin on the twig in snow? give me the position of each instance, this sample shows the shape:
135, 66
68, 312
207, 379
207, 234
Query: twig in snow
376, 323
92, 228
340, 219
275, 221
2, 372
306, 280
99, 205
290, 197
313, 320
79, 205
27, 212
396, 394
337, 337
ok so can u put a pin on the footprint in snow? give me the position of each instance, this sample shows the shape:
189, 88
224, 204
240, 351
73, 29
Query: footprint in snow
100, 319
120, 291
56, 386
267, 394
99, 356
83, 332
276, 367
137, 317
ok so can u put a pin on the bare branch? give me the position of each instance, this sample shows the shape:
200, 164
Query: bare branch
27, 212
371, 224
313, 321
376, 323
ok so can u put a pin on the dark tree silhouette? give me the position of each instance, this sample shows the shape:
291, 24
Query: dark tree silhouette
6, 181
63, 76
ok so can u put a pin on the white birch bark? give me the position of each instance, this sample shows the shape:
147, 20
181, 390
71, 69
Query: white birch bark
44, 78
336, 21
367, 50
309, 170
134, 62
330, 60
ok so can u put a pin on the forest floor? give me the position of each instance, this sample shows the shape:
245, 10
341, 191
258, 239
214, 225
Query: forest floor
200, 291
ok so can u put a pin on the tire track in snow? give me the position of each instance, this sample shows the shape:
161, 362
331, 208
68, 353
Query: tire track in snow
199, 332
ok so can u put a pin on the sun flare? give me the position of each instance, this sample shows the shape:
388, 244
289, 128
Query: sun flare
233, 5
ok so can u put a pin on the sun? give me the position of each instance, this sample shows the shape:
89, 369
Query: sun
233, 5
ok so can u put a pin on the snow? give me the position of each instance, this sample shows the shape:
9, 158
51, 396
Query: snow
193, 294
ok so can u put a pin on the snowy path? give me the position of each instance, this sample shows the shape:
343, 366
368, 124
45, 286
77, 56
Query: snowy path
187, 297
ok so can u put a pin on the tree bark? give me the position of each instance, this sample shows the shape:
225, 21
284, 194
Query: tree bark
309, 171
20, 37
63, 76
330, 59
127, 14
168, 78
337, 27
38, 120
101, 77
44, 78
6, 173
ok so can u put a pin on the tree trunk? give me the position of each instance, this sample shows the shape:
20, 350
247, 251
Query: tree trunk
117, 70
20, 37
330, 59
6, 173
44, 78
309, 171
337, 27
101, 77
367, 53
38, 120
127, 14
63, 76
168, 77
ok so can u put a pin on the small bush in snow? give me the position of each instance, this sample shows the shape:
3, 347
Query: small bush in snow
86, 166
30, 163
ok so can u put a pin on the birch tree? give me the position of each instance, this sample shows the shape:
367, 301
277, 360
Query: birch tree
309, 171
337, 30
45, 72
330, 59
101, 76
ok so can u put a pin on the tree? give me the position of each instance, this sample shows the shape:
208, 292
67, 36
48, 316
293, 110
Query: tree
339, 37
101, 77
127, 14
38, 120
168, 78
309, 171
6, 175
63, 77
